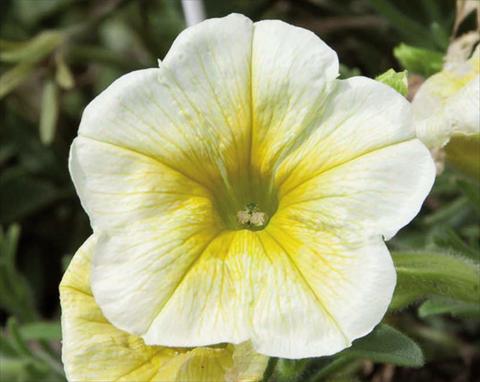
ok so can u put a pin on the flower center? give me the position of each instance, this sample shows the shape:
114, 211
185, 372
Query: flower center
252, 217
246, 201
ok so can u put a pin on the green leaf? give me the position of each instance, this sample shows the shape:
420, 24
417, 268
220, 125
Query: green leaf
14, 77
418, 60
435, 306
49, 112
290, 370
6, 348
17, 341
22, 194
347, 72
30, 51
405, 26
447, 238
384, 345
15, 293
41, 330
63, 75
451, 214
396, 80
424, 274
8, 245
471, 189
387, 345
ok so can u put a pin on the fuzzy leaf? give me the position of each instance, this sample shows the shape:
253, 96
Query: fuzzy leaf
437, 306
423, 274
387, 345
384, 345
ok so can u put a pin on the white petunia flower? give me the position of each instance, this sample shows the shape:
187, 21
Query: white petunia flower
240, 192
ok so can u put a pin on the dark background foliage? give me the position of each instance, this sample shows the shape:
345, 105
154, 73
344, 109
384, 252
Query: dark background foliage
57, 55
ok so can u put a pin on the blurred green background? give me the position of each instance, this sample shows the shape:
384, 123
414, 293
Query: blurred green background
57, 55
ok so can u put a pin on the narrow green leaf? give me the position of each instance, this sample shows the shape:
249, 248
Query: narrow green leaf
63, 75
49, 112
6, 348
30, 51
396, 80
472, 190
15, 293
418, 60
12, 368
17, 340
447, 238
424, 274
41, 331
435, 306
22, 194
14, 77
8, 246
450, 214
405, 26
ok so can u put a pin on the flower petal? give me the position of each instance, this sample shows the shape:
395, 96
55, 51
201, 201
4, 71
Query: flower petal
136, 270
329, 291
94, 350
292, 70
248, 365
376, 194
361, 168
295, 295
447, 103
204, 364
190, 118
119, 187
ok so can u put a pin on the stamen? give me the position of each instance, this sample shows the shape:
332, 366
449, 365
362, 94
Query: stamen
251, 216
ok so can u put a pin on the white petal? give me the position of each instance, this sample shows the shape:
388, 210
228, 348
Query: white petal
137, 270
376, 194
292, 70
190, 117
119, 187
94, 350
328, 293
361, 166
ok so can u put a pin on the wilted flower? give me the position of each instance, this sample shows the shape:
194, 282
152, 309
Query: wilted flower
95, 350
240, 192
448, 103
